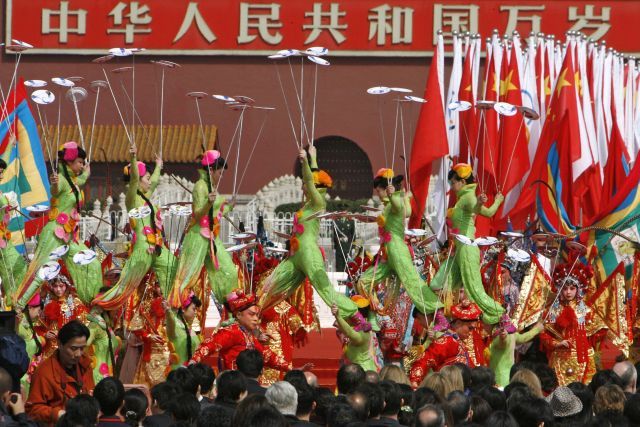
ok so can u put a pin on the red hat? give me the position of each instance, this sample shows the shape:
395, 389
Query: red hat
239, 301
575, 273
466, 310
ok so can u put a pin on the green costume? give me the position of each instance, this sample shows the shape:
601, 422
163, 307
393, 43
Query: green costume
196, 248
396, 258
305, 258
62, 229
502, 353
104, 344
358, 350
147, 251
12, 264
34, 344
183, 341
464, 267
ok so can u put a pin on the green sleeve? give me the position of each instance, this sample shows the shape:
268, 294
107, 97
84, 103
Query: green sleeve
62, 187
93, 332
316, 199
357, 338
397, 201
171, 324
522, 338
200, 204
155, 179
132, 188
82, 178
489, 211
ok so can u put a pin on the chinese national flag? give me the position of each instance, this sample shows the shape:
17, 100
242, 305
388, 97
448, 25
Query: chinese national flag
430, 140
468, 119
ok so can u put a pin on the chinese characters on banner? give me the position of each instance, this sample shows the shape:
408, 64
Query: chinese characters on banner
347, 27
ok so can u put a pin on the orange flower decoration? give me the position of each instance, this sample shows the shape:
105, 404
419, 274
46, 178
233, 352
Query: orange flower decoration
463, 170
216, 229
322, 179
381, 220
53, 212
450, 212
294, 244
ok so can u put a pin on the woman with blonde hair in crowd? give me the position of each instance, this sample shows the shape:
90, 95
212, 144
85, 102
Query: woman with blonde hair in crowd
438, 382
394, 373
454, 375
530, 379
609, 398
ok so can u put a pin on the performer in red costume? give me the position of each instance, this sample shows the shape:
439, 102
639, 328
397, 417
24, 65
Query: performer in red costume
474, 343
447, 348
228, 341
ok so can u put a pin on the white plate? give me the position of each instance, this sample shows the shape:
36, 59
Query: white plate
288, 52
486, 241
465, 240
277, 250
415, 232
43, 97
318, 60
63, 82
378, 90
317, 51
415, 99
401, 89
23, 44
512, 234
35, 83
241, 247
518, 255
179, 210
243, 236
49, 270
84, 257
459, 106
37, 208
58, 252
141, 212
224, 98
120, 51
505, 109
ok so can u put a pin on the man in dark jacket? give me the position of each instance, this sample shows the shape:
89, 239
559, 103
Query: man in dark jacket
250, 363
11, 405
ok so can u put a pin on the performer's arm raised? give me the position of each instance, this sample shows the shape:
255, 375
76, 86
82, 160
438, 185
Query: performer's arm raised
155, 176
134, 179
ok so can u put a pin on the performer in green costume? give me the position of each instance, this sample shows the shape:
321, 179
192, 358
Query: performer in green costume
12, 264
62, 229
359, 348
394, 256
464, 267
147, 250
32, 331
202, 244
103, 342
305, 258
183, 339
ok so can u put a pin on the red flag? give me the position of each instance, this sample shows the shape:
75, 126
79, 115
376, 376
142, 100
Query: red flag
513, 159
430, 140
468, 119
617, 168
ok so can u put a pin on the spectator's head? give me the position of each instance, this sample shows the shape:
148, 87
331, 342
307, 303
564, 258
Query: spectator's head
531, 412
632, 410
405, 417
375, 396
494, 397
295, 376
430, 416
163, 393
481, 376
267, 417
585, 395
341, 414
359, 401
516, 391
424, 396
247, 407
284, 397
80, 411
460, 406
324, 399
250, 363
501, 419
204, 377
547, 376
465, 371
185, 407
349, 377
600, 378
392, 398
480, 410
109, 393
231, 387
628, 375
439, 383
214, 416
531, 380
454, 375
184, 379
306, 400
6, 384
394, 373
372, 377
312, 379
135, 406
609, 398
72, 340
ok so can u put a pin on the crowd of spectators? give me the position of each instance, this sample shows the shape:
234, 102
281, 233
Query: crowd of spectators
455, 396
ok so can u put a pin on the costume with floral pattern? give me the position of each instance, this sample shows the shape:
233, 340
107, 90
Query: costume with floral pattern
12, 264
147, 250
33, 336
62, 229
444, 350
58, 312
305, 258
103, 345
464, 268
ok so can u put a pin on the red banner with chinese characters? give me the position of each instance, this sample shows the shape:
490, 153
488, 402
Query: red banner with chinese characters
347, 27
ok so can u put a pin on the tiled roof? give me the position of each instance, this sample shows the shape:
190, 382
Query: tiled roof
181, 143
